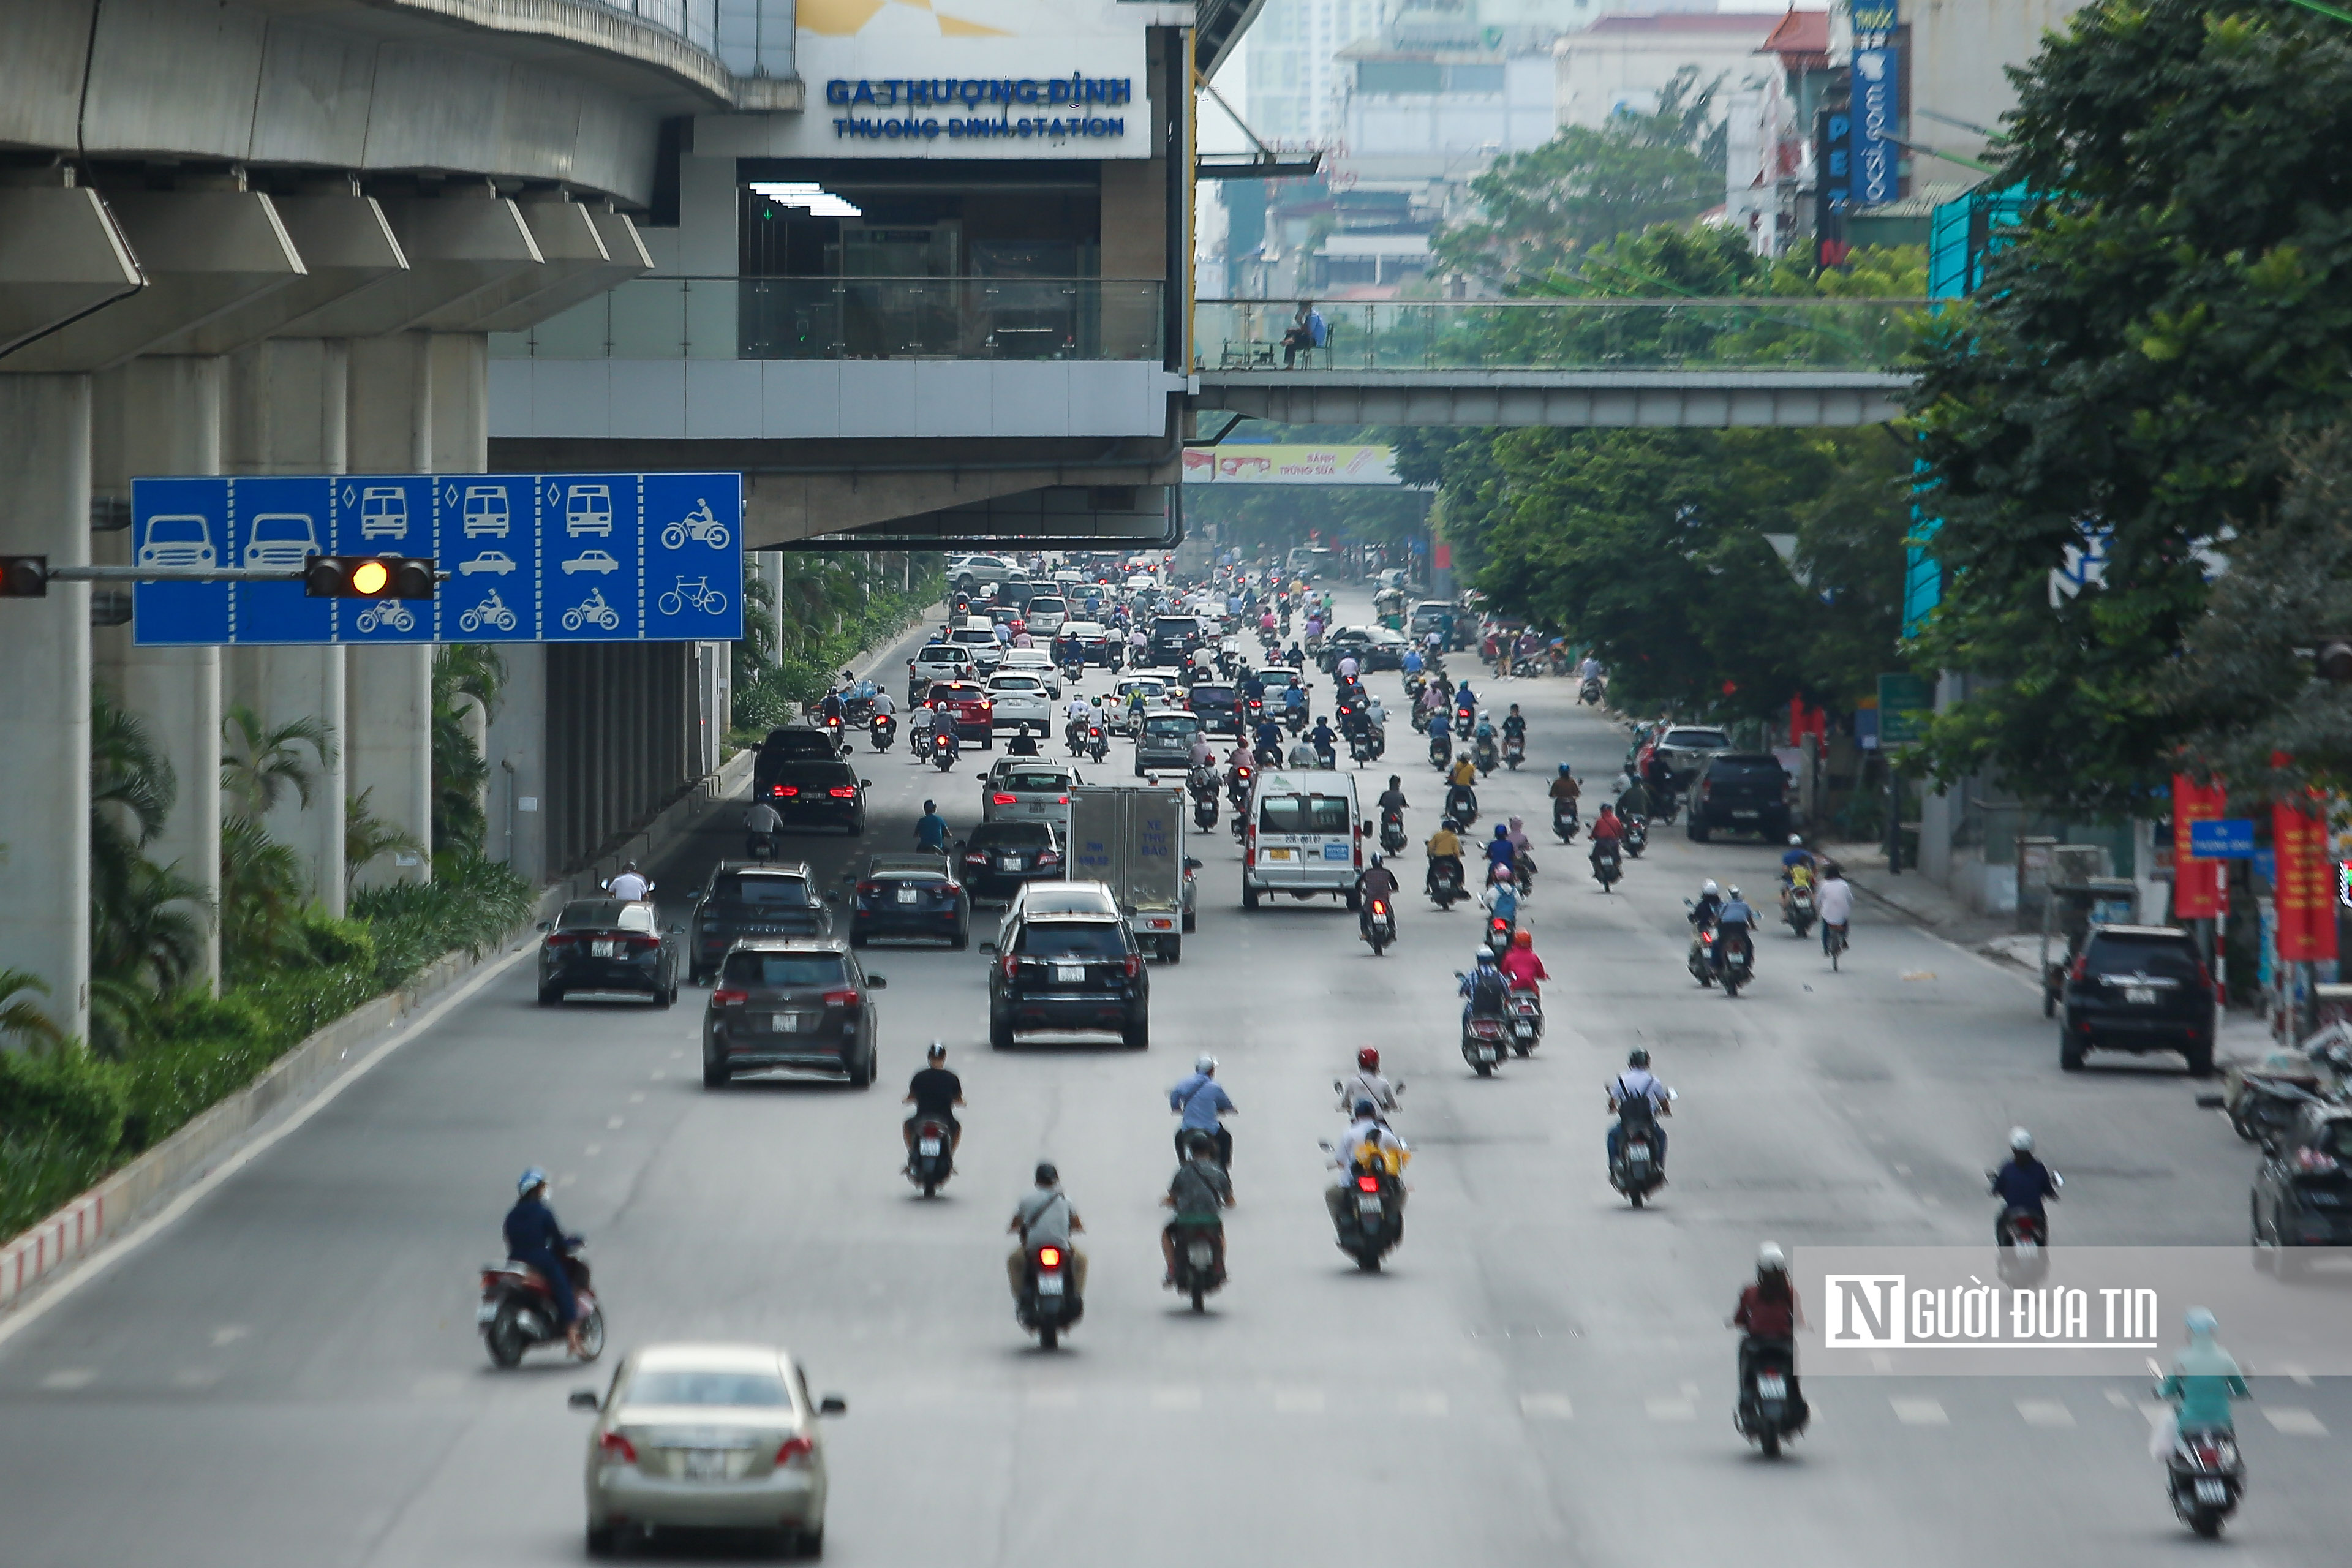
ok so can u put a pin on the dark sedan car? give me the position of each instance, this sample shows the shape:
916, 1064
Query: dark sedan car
999, 856
817, 795
1069, 971
910, 895
2139, 989
1218, 705
751, 899
2302, 1194
607, 944
800, 1003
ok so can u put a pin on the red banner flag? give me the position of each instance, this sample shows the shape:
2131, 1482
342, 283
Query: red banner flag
2200, 890
2306, 882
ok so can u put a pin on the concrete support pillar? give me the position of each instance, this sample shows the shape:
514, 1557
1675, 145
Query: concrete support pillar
517, 751
45, 436
154, 417
287, 412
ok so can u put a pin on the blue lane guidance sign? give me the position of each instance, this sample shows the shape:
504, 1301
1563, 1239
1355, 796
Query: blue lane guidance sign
2223, 838
530, 557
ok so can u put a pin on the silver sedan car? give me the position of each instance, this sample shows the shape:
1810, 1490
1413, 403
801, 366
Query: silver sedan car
707, 1436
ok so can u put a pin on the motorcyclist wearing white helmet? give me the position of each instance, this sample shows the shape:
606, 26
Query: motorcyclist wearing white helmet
1201, 1101
1770, 1313
2024, 1185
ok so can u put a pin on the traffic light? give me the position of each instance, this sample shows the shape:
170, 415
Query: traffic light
23, 576
2332, 658
369, 577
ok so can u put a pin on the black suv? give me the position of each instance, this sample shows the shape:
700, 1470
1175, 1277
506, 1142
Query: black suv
2302, 1194
808, 794
1174, 639
1067, 972
751, 899
797, 742
1002, 855
799, 1003
1741, 792
2139, 989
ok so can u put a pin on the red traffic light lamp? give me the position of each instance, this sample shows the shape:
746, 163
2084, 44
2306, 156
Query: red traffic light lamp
23, 576
369, 577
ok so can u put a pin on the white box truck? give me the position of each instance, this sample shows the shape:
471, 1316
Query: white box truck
1132, 838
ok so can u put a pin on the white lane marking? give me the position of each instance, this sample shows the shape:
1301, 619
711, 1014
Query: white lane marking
196, 1377
593, 1150
2045, 1413
1920, 1413
1175, 1399
659, 1074
637, 1099
1050, 1399
65, 1379
676, 1056
32, 1311
1421, 1404
1546, 1407
1298, 1401
611, 1124
2294, 1422
228, 1334
1902, 1170
1671, 1408
2119, 1399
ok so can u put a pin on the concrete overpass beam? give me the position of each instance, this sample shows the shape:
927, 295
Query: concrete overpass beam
205, 254
62, 257
163, 417
586, 256
45, 451
347, 249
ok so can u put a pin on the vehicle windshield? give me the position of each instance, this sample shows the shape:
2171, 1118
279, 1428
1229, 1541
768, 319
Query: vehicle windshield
783, 971
591, 914
941, 653
1046, 605
1213, 696
1175, 627
1087, 939
764, 888
1011, 835
1033, 784
1320, 813
763, 1390
1698, 739
1015, 683
2165, 958
1172, 724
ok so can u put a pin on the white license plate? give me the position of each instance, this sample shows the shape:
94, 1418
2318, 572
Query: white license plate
486, 1311
930, 1146
1523, 1029
1049, 1284
1770, 1386
1201, 1254
1069, 973
602, 948
705, 1464
2140, 995
1369, 1206
2212, 1492
1486, 1053
785, 1023
1008, 862
907, 894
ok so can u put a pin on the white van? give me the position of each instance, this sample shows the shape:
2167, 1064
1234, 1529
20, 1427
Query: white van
1307, 561
1305, 837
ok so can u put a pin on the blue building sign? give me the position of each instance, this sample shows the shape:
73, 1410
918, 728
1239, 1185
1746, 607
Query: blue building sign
530, 557
1877, 175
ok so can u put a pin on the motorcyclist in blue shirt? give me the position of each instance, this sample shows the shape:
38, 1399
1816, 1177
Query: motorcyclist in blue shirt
932, 829
1202, 1103
1412, 662
1733, 922
1500, 851
2023, 1185
1268, 738
1324, 740
535, 1236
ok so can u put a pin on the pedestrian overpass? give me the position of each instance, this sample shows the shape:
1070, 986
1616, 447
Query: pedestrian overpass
1656, 362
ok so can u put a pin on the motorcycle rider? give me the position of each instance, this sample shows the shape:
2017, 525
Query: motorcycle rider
1199, 1190
1368, 1084
2023, 1185
1515, 726
932, 829
1199, 1099
1633, 800
1042, 1216
1636, 1083
1079, 713
2203, 1380
1520, 966
934, 1092
1269, 742
630, 884
1502, 855
1305, 754
1607, 828
1366, 1141
1327, 744
1797, 869
1445, 847
1392, 798
1501, 900
533, 1236
1770, 1313
1733, 924
761, 823
1834, 903
919, 720
1485, 993
1708, 906
1565, 792
1022, 745
1294, 700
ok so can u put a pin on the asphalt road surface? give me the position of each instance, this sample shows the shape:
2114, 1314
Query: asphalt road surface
290, 1373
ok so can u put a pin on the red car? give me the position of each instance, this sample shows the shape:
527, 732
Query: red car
969, 702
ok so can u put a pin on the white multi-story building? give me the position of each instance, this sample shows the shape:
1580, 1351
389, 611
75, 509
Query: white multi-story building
1622, 62
1296, 75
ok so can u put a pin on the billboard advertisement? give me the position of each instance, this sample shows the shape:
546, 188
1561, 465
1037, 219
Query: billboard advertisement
1253, 463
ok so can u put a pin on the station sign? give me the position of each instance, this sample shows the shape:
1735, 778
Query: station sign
2223, 838
530, 557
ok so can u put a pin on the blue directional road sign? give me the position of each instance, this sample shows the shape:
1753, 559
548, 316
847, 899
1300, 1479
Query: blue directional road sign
2223, 838
530, 557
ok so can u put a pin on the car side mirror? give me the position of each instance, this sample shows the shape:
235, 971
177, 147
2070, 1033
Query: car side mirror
1190, 863
866, 784
989, 948
545, 925
678, 931
833, 896
583, 1399
832, 1404
878, 982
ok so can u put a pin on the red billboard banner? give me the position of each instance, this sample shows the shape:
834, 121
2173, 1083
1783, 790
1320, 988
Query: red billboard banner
2200, 887
2306, 882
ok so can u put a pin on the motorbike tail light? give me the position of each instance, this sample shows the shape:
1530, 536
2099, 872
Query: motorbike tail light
489, 1279
616, 1450
1134, 965
795, 1451
2315, 1161
728, 998
843, 792
1367, 1183
1049, 1258
1001, 798
1380, 906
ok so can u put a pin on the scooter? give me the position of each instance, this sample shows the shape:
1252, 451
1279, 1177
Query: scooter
1237, 785
1465, 721
1462, 805
1606, 866
1771, 1410
1498, 935
1514, 751
1441, 748
1392, 831
934, 1158
1380, 925
884, 729
2205, 1475
1483, 1045
1635, 1171
1200, 1261
1369, 1221
1734, 965
1444, 884
761, 846
2024, 1237
1049, 1303
1798, 911
1702, 951
1637, 834
943, 749
1563, 821
1526, 1019
1097, 743
1588, 693
518, 1312
1074, 736
1362, 747
1485, 755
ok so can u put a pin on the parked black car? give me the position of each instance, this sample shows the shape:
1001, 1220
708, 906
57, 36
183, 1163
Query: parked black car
813, 794
2302, 1194
910, 895
749, 899
999, 856
2137, 989
1069, 971
1741, 792
801, 1003
607, 944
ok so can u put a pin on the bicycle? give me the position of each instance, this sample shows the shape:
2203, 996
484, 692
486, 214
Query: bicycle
1834, 944
694, 590
701, 526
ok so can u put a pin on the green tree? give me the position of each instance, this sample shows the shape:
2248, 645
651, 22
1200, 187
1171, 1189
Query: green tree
22, 1019
460, 771
260, 765
2180, 302
147, 922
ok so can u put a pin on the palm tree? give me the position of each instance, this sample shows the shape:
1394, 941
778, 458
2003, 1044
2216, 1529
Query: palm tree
260, 765
460, 773
146, 922
21, 1018
263, 891
367, 836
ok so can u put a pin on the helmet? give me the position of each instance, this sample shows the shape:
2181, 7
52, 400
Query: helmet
2201, 1321
1376, 859
1523, 939
1502, 831
1735, 889
1366, 1109
534, 1177
1563, 770
1205, 1063
1708, 889
1486, 956
628, 865
1046, 1174
938, 1053
1637, 1058
1451, 825
1770, 1256
1796, 840
1394, 781
1502, 873
2020, 1139
1369, 1059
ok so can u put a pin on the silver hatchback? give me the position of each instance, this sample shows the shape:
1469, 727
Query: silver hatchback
1165, 742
